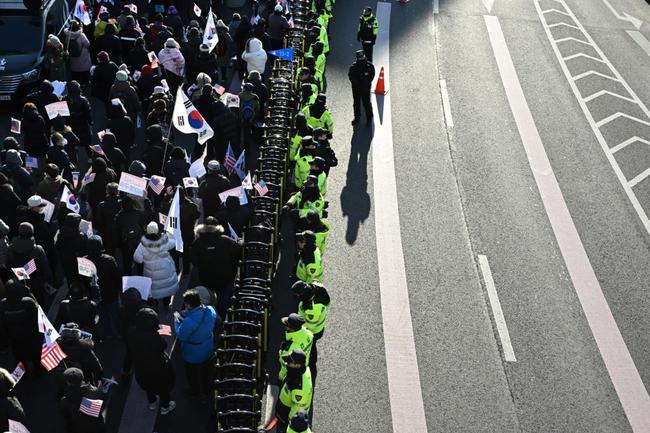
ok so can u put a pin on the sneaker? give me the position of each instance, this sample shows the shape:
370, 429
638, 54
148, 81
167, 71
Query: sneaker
153, 406
166, 410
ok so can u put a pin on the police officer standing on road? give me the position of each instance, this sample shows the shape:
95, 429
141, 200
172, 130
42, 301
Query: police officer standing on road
367, 32
361, 74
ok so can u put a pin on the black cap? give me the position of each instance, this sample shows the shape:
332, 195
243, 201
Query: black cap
293, 321
296, 356
73, 376
361, 54
319, 162
307, 140
300, 421
308, 236
299, 287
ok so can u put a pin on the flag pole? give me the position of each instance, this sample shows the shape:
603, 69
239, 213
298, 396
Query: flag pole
169, 133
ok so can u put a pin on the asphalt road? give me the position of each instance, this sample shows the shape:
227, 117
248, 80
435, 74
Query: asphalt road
465, 188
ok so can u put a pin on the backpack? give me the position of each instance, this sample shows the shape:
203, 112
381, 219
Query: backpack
247, 111
74, 48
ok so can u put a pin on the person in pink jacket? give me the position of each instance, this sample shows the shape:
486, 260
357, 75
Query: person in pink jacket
173, 63
79, 64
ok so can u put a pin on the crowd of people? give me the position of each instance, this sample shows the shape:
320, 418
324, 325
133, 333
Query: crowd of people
76, 217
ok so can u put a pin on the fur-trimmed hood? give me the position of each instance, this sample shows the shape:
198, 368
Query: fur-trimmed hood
202, 229
155, 245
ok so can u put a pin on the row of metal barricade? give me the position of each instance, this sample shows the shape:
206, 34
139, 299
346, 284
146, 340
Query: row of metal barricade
240, 374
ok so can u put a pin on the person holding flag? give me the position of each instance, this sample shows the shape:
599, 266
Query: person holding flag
189, 214
82, 404
22, 249
210, 36
187, 119
19, 318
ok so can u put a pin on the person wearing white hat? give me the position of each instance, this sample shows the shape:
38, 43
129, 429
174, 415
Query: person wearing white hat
173, 62
153, 254
278, 26
56, 58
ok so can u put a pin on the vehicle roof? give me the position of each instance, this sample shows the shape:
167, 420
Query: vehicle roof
19, 5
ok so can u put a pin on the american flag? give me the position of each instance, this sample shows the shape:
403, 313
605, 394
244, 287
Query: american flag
157, 183
97, 148
261, 188
52, 355
230, 160
88, 179
30, 267
165, 330
91, 407
15, 126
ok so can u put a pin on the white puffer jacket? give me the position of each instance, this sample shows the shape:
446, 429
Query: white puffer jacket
158, 265
255, 56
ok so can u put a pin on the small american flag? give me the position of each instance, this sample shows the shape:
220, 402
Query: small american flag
230, 160
52, 355
157, 183
30, 267
91, 407
15, 126
261, 188
88, 179
165, 330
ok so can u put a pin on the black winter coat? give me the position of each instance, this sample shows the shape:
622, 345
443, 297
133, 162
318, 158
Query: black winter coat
34, 134
213, 246
209, 189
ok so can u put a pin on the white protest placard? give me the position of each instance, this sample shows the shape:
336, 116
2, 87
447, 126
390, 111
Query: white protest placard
143, 284
164, 85
85, 267
132, 184
162, 218
86, 227
31, 162
57, 109
47, 210
197, 169
17, 427
237, 191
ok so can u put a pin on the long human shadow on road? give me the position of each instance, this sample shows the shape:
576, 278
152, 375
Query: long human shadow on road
355, 200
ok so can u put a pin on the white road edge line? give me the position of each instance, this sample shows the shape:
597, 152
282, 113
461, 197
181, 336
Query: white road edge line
641, 40
497, 312
618, 361
404, 389
446, 106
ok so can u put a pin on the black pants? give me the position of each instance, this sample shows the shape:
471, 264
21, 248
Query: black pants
199, 377
361, 96
367, 48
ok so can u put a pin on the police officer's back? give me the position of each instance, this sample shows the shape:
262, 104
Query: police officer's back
361, 74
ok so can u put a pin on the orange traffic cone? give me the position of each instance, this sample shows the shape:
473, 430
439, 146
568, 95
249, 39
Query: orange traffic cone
379, 88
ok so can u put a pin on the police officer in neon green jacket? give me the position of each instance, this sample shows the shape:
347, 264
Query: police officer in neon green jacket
318, 116
301, 129
303, 159
320, 227
299, 423
310, 267
317, 169
313, 306
297, 390
367, 31
308, 198
296, 336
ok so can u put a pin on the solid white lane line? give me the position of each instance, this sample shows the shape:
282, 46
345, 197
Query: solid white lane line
641, 40
620, 366
405, 392
497, 312
488, 5
446, 106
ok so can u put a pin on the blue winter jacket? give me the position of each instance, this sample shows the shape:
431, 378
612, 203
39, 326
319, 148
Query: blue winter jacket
195, 334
